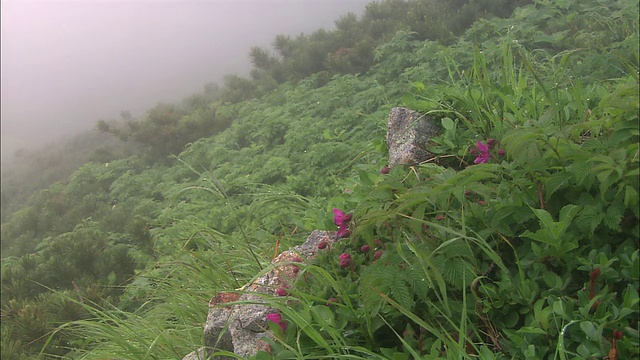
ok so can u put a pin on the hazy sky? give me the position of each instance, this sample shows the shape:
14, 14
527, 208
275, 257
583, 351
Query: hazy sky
67, 64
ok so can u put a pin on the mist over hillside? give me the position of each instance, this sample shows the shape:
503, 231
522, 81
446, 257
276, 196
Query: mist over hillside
66, 65
517, 237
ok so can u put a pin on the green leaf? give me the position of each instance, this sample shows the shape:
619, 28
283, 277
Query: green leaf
552, 280
286, 354
590, 330
557, 181
630, 297
111, 278
323, 316
567, 213
448, 124
546, 221
581, 170
552, 232
531, 330
613, 215
590, 217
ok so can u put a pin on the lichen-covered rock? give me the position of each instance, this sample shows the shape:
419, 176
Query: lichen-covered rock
408, 134
216, 335
196, 355
240, 328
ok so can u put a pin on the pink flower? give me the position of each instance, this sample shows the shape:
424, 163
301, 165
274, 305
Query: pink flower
484, 153
343, 232
365, 248
342, 221
491, 142
282, 291
501, 152
339, 217
377, 254
345, 260
322, 244
385, 170
277, 318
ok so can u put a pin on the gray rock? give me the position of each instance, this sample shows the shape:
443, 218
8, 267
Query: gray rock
408, 134
216, 332
240, 328
196, 355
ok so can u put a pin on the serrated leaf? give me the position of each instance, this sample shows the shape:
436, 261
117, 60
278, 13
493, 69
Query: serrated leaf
523, 146
567, 213
552, 231
546, 221
630, 196
581, 170
613, 216
457, 271
417, 282
557, 181
400, 293
542, 236
590, 217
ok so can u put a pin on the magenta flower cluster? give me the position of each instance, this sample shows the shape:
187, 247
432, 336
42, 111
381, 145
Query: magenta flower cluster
484, 151
342, 222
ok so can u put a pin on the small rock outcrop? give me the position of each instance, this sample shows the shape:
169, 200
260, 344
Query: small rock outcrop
408, 134
239, 328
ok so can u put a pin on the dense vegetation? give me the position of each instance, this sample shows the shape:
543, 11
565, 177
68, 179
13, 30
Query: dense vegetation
519, 240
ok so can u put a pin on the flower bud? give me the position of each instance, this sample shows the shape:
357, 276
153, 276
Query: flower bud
282, 291
345, 260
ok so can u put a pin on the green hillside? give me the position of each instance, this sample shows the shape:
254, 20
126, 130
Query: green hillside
519, 240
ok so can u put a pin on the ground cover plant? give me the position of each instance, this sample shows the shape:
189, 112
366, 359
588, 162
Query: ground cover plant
518, 240
497, 248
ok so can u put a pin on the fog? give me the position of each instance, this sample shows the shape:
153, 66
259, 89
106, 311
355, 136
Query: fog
67, 64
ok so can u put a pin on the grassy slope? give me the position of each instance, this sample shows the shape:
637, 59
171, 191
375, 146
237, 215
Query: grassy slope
288, 158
